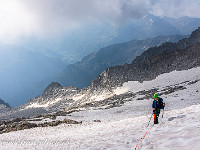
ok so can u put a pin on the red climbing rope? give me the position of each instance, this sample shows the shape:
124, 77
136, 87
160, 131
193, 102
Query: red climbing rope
143, 137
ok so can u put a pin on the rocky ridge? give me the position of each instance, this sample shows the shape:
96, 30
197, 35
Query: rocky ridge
50, 119
153, 62
117, 54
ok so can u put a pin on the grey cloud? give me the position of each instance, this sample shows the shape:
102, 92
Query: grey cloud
41, 17
71, 12
21, 18
55, 14
176, 8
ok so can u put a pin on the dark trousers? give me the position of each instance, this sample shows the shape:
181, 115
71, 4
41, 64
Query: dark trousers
156, 115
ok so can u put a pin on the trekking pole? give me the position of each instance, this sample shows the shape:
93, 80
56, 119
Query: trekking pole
150, 120
163, 112
163, 109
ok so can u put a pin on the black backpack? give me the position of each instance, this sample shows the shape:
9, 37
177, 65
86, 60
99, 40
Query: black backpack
160, 103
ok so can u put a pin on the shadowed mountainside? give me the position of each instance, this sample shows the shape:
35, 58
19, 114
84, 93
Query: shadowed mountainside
82, 73
155, 61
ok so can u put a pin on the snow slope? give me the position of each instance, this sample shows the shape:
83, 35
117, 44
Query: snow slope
121, 128
163, 80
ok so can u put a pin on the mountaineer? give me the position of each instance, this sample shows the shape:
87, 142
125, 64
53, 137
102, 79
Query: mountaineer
157, 105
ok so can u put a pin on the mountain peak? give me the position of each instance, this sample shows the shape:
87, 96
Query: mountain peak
4, 103
51, 87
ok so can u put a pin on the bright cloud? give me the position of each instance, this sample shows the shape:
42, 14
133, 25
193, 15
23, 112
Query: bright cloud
15, 20
21, 18
176, 8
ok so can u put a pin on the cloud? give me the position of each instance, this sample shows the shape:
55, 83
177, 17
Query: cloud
176, 8
69, 13
14, 20
42, 18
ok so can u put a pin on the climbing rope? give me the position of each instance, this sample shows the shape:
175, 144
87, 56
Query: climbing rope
143, 137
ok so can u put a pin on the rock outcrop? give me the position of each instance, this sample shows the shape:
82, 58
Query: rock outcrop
22, 123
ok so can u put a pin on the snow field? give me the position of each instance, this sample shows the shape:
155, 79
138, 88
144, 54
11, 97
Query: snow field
121, 128
180, 133
179, 129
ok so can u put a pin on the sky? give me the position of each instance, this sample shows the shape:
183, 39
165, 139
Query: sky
43, 18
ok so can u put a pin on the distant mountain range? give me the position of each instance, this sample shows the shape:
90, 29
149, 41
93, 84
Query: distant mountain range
76, 44
27, 69
155, 61
184, 24
81, 74
101, 93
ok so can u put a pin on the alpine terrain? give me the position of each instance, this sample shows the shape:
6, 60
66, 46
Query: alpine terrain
80, 74
115, 111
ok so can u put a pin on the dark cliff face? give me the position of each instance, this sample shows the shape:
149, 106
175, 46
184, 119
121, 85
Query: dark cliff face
155, 61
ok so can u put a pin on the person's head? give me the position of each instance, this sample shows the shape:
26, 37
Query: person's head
156, 96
